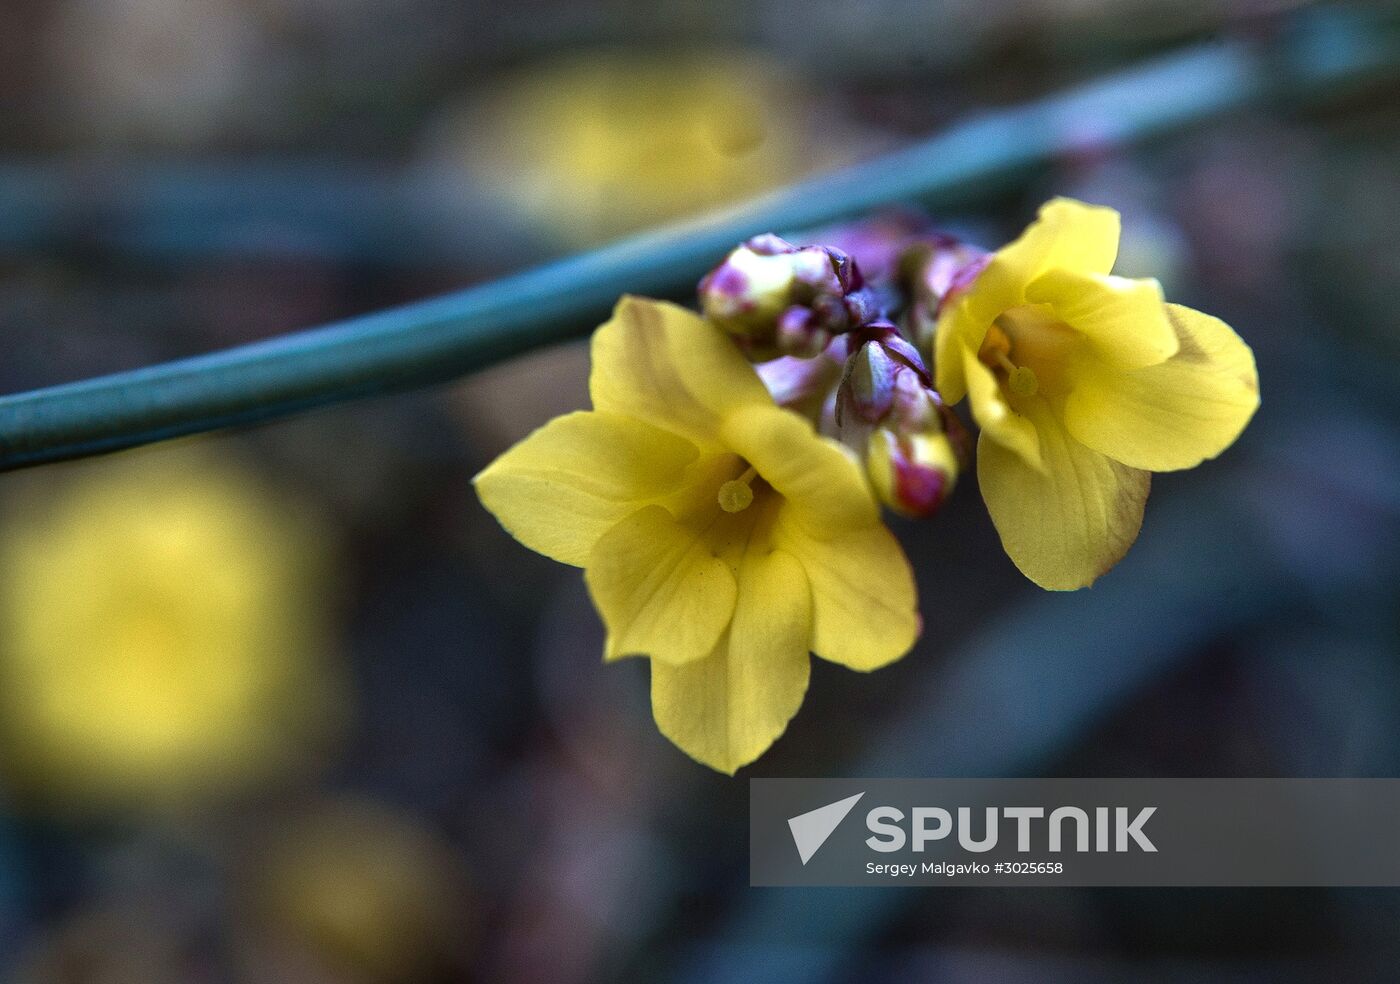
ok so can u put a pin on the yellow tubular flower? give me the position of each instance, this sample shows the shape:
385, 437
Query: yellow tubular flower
1083, 384
720, 536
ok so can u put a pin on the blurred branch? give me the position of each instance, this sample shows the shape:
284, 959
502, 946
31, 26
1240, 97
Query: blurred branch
173, 211
441, 339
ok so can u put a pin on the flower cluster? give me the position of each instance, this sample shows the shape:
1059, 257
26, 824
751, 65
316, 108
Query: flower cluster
722, 496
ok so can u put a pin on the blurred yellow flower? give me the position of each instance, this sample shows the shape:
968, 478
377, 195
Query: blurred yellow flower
720, 536
162, 633
596, 145
1083, 384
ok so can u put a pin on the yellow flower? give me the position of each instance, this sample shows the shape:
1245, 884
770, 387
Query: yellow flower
1083, 384
162, 634
720, 536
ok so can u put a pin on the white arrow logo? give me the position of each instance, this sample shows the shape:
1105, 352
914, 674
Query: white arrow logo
810, 830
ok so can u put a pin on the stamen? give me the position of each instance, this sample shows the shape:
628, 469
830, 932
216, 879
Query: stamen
735, 495
1024, 382
1021, 378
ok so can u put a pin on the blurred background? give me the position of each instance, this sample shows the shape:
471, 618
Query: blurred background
288, 706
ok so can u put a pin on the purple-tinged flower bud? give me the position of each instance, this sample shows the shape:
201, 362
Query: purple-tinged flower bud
800, 333
869, 386
939, 269
913, 474
802, 384
962, 278
915, 407
943, 264
777, 299
912, 442
879, 241
882, 363
901, 350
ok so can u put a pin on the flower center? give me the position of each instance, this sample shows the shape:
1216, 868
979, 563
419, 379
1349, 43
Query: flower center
736, 495
1029, 347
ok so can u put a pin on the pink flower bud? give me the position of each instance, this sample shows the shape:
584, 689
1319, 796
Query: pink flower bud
913, 474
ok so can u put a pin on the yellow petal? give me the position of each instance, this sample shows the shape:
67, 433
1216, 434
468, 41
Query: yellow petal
727, 709
671, 368
1174, 415
864, 607
1065, 526
1066, 235
950, 338
572, 480
995, 415
1124, 320
659, 588
963, 326
815, 474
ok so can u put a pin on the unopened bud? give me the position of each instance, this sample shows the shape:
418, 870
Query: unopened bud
869, 388
914, 406
880, 241
776, 299
938, 270
800, 333
884, 376
912, 473
801, 384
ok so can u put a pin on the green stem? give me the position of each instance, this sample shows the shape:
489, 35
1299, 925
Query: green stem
442, 339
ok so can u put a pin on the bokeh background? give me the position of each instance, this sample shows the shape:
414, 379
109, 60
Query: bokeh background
288, 706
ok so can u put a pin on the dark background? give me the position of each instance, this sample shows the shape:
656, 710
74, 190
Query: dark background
425, 773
